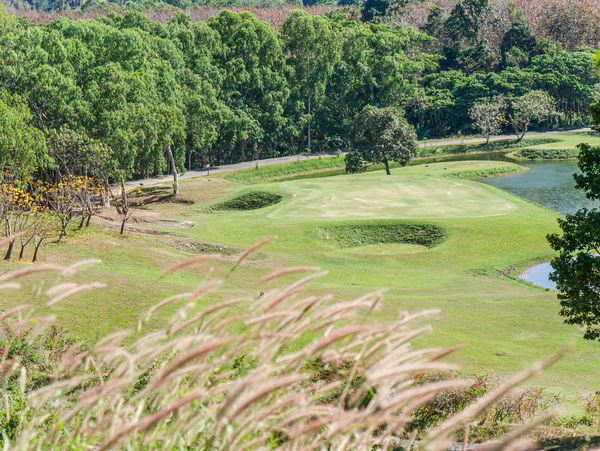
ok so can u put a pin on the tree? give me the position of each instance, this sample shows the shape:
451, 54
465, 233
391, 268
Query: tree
312, 47
22, 146
534, 106
382, 135
16, 205
76, 154
488, 116
576, 270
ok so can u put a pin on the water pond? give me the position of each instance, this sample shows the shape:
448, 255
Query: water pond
549, 184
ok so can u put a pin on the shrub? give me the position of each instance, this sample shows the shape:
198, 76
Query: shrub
354, 235
355, 163
249, 201
511, 409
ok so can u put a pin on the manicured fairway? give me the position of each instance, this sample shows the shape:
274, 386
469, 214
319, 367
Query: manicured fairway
408, 193
570, 141
470, 276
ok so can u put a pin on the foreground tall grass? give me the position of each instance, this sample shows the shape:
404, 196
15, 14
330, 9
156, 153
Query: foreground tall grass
285, 370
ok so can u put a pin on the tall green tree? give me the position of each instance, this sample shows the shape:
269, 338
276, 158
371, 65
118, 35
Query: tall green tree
535, 106
312, 48
576, 269
382, 135
22, 146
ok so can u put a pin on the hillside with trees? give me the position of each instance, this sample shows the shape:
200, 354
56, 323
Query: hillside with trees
234, 88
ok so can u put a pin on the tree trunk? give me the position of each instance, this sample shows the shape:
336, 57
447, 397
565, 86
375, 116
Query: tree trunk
123, 224
82, 222
37, 248
9, 251
89, 219
22, 251
309, 137
173, 170
487, 141
387, 166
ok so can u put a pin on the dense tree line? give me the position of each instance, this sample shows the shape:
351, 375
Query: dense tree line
125, 96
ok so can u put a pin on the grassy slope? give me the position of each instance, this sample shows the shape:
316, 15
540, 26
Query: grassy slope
505, 323
563, 148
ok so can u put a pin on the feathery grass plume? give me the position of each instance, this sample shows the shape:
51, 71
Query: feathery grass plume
191, 262
251, 251
289, 270
289, 370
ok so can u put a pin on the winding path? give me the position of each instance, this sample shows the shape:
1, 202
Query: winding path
289, 159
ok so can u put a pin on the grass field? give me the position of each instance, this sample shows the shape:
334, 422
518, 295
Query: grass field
470, 275
564, 147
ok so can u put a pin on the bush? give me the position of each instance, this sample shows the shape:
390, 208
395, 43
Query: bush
249, 201
354, 235
511, 409
355, 163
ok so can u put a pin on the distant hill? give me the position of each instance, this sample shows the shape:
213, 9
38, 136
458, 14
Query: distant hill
88, 5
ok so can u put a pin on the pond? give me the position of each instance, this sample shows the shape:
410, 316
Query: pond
549, 184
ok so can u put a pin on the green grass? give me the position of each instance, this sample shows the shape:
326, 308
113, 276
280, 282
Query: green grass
252, 200
363, 235
504, 323
457, 149
565, 147
286, 170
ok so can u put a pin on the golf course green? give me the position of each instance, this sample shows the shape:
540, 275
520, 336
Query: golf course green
469, 272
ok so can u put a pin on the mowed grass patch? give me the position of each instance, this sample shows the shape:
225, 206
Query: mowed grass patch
252, 200
358, 235
504, 324
564, 148
426, 191
287, 170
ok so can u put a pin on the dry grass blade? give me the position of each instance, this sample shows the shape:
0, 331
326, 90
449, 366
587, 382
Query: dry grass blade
74, 291
439, 437
147, 422
251, 251
10, 286
165, 302
70, 270
191, 262
10, 313
196, 353
288, 271
269, 388
298, 372
30, 270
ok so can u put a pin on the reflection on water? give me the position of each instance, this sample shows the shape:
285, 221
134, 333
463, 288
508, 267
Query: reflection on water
539, 275
550, 184
547, 183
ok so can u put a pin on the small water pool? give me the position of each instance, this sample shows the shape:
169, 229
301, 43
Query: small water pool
539, 275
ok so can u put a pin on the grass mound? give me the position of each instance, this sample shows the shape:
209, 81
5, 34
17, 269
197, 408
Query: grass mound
285, 171
249, 201
431, 149
546, 154
356, 235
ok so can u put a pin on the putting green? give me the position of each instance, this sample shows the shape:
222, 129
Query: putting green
405, 194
